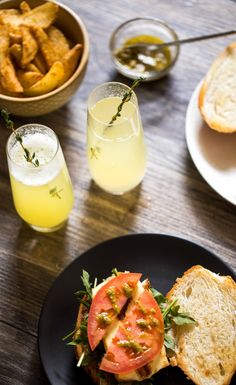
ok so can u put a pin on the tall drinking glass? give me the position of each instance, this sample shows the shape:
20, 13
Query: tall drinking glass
116, 152
43, 194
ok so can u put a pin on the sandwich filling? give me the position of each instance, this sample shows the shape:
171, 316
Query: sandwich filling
122, 327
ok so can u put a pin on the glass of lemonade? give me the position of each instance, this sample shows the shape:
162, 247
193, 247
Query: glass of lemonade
116, 151
43, 195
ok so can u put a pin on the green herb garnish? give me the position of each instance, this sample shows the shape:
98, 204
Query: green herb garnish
171, 315
54, 192
126, 98
9, 123
95, 150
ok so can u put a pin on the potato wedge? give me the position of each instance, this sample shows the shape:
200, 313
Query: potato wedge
8, 76
70, 61
29, 46
49, 82
33, 68
4, 43
15, 36
11, 11
58, 40
16, 52
40, 63
28, 78
49, 54
41, 16
24, 7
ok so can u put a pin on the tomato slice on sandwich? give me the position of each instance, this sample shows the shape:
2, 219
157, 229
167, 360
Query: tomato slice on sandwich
107, 304
139, 337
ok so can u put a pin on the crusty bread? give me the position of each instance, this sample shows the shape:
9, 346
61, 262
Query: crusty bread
217, 98
206, 352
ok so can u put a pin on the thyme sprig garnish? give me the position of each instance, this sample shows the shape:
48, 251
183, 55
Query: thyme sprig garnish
95, 150
171, 315
126, 98
10, 125
54, 192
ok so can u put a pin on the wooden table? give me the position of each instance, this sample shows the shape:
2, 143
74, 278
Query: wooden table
173, 198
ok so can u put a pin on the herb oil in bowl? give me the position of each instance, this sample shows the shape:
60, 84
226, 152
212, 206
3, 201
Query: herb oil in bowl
133, 60
143, 61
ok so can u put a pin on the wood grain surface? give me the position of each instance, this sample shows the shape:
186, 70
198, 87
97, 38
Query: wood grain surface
172, 199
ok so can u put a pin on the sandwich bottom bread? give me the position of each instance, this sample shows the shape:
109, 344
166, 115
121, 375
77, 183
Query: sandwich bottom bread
127, 331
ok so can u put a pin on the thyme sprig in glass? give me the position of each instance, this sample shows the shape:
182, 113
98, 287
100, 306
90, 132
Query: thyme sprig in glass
126, 98
95, 150
31, 158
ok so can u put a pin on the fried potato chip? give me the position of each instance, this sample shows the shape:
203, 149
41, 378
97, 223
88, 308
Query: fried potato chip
40, 63
70, 61
41, 16
58, 40
28, 78
8, 77
16, 52
49, 82
24, 7
29, 46
45, 45
4, 43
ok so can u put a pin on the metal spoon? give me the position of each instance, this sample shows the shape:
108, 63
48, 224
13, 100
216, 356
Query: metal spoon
152, 47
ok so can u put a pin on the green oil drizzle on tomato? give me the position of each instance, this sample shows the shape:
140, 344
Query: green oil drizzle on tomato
103, 319
112, 295
128, 290
131, 344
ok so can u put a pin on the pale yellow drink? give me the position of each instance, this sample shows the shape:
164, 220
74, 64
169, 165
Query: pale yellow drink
116, 154
43, 196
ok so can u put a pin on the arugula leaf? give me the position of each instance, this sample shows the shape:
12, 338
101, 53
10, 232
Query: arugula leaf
115, 272
86, 283
171, 315
183, 319
169, 342
159, 297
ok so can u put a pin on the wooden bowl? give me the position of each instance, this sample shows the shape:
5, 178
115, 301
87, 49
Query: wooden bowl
70, 23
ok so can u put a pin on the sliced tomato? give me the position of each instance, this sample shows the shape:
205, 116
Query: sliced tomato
138, 339
107, 304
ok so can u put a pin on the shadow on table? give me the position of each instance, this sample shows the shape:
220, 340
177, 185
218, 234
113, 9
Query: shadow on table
211, 209
106, 215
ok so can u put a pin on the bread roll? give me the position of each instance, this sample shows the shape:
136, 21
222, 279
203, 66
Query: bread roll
217, 98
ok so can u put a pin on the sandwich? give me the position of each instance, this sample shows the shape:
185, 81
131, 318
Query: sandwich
217, 101
126, 331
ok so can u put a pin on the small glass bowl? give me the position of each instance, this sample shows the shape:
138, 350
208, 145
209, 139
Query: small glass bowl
143, 26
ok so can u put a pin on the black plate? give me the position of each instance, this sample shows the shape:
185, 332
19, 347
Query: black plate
162, 258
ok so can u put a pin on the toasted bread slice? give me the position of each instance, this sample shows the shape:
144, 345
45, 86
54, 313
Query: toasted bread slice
206, 352
217, 98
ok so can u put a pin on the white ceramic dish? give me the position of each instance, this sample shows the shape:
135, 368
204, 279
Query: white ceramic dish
213, 153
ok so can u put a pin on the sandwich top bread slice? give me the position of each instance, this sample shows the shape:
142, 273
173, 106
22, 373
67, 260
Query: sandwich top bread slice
206, 352
217, 98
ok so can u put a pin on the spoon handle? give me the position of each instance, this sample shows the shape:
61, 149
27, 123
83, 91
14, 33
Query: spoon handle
193, 39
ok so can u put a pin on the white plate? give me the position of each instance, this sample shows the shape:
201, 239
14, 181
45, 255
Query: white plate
213, 153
